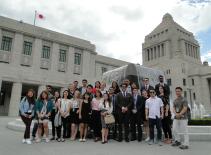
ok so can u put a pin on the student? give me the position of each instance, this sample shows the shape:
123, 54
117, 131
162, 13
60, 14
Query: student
128, 83
83, 88
71, 91
84, 116
97, 87
146, 86
74, 114
146, 122
115, 86
96, 118
166, 121
136, 115
180, 123
103, 88
43, 110
165, 87
53, 113
106, 109
64, 109
154, 113
26, 109
124, 102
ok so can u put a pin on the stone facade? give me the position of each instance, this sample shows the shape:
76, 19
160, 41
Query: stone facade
174, 50
31, 56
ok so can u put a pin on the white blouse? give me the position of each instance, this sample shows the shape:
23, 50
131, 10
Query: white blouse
64, 104
75, 103
107, 108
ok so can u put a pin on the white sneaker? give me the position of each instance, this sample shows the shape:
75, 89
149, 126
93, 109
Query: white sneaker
47, 140
28, 141
147, 139
38, 140
84, 140
80, 140
23, 141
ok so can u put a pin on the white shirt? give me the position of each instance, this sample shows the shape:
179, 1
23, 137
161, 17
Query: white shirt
64, 104
75, 103
108, 108
154, 104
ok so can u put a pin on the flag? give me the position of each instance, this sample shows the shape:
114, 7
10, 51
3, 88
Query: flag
40, 16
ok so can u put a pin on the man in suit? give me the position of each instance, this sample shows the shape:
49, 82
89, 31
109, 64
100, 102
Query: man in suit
83, 88
146, 86
165, 86
136, 115
124, 102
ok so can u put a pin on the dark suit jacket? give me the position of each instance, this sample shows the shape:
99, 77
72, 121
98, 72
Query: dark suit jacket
139, 104
150, 87
122, 101
166, 90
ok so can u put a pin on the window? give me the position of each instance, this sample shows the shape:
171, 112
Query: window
169, 82
185, 94
104, 69
45, 52
184, 82
62, 55
27, 48
194, 96
193, 82
6, 43
77, 60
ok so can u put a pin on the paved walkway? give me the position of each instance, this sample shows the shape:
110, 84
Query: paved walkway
10, 144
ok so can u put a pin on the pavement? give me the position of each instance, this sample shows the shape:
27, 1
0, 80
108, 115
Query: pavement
10, 144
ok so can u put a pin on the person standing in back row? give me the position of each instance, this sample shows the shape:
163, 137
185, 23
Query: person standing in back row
165, 87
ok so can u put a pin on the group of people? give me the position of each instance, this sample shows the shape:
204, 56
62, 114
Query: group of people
102, 113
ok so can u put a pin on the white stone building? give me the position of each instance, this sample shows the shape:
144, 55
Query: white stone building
174, 50
32, 57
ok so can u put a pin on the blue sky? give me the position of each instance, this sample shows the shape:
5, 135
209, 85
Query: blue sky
116, 27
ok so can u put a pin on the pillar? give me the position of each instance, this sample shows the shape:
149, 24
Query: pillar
0, 37
15, 99
17, 49
55, 57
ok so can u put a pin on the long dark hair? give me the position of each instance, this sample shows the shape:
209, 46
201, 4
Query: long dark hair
31, 100
116, 89
98, 83
43, 92
89, 99
56, 98
98, 91
109, 100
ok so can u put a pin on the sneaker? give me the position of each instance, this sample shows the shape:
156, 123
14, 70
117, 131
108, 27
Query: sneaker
80, 140
23, 141
47, 140
176, 143
38, 140
183, 147
147, 139
62, 140
28, 141
84, 140
160, 143
150, 142
58, 139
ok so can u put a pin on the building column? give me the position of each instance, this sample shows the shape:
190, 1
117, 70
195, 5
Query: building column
17, 49
40, 89
0, 36
15, 99
70, 64
37, 53
55, 57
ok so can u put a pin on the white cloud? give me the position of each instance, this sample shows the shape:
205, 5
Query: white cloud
116, 27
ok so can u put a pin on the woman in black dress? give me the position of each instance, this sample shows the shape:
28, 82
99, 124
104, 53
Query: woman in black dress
166, 121
84, 116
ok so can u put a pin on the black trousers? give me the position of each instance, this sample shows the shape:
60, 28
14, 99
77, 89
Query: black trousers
58, 131
123, 119
96, 123
115, 126
135, 122
166, 124
66, 127
53, 113
27, 122
152, 124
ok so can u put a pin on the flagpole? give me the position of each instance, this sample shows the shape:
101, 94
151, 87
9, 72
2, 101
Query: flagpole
35, 16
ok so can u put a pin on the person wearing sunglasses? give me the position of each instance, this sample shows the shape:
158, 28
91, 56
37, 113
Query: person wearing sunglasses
154, 113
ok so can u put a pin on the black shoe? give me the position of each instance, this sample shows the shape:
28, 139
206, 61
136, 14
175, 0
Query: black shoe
133, 139
176, 143
183, 147
103, 142
127, 140
139, 140
119, 140
53, 138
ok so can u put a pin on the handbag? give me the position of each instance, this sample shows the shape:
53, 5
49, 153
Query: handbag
109, 119
57, 120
